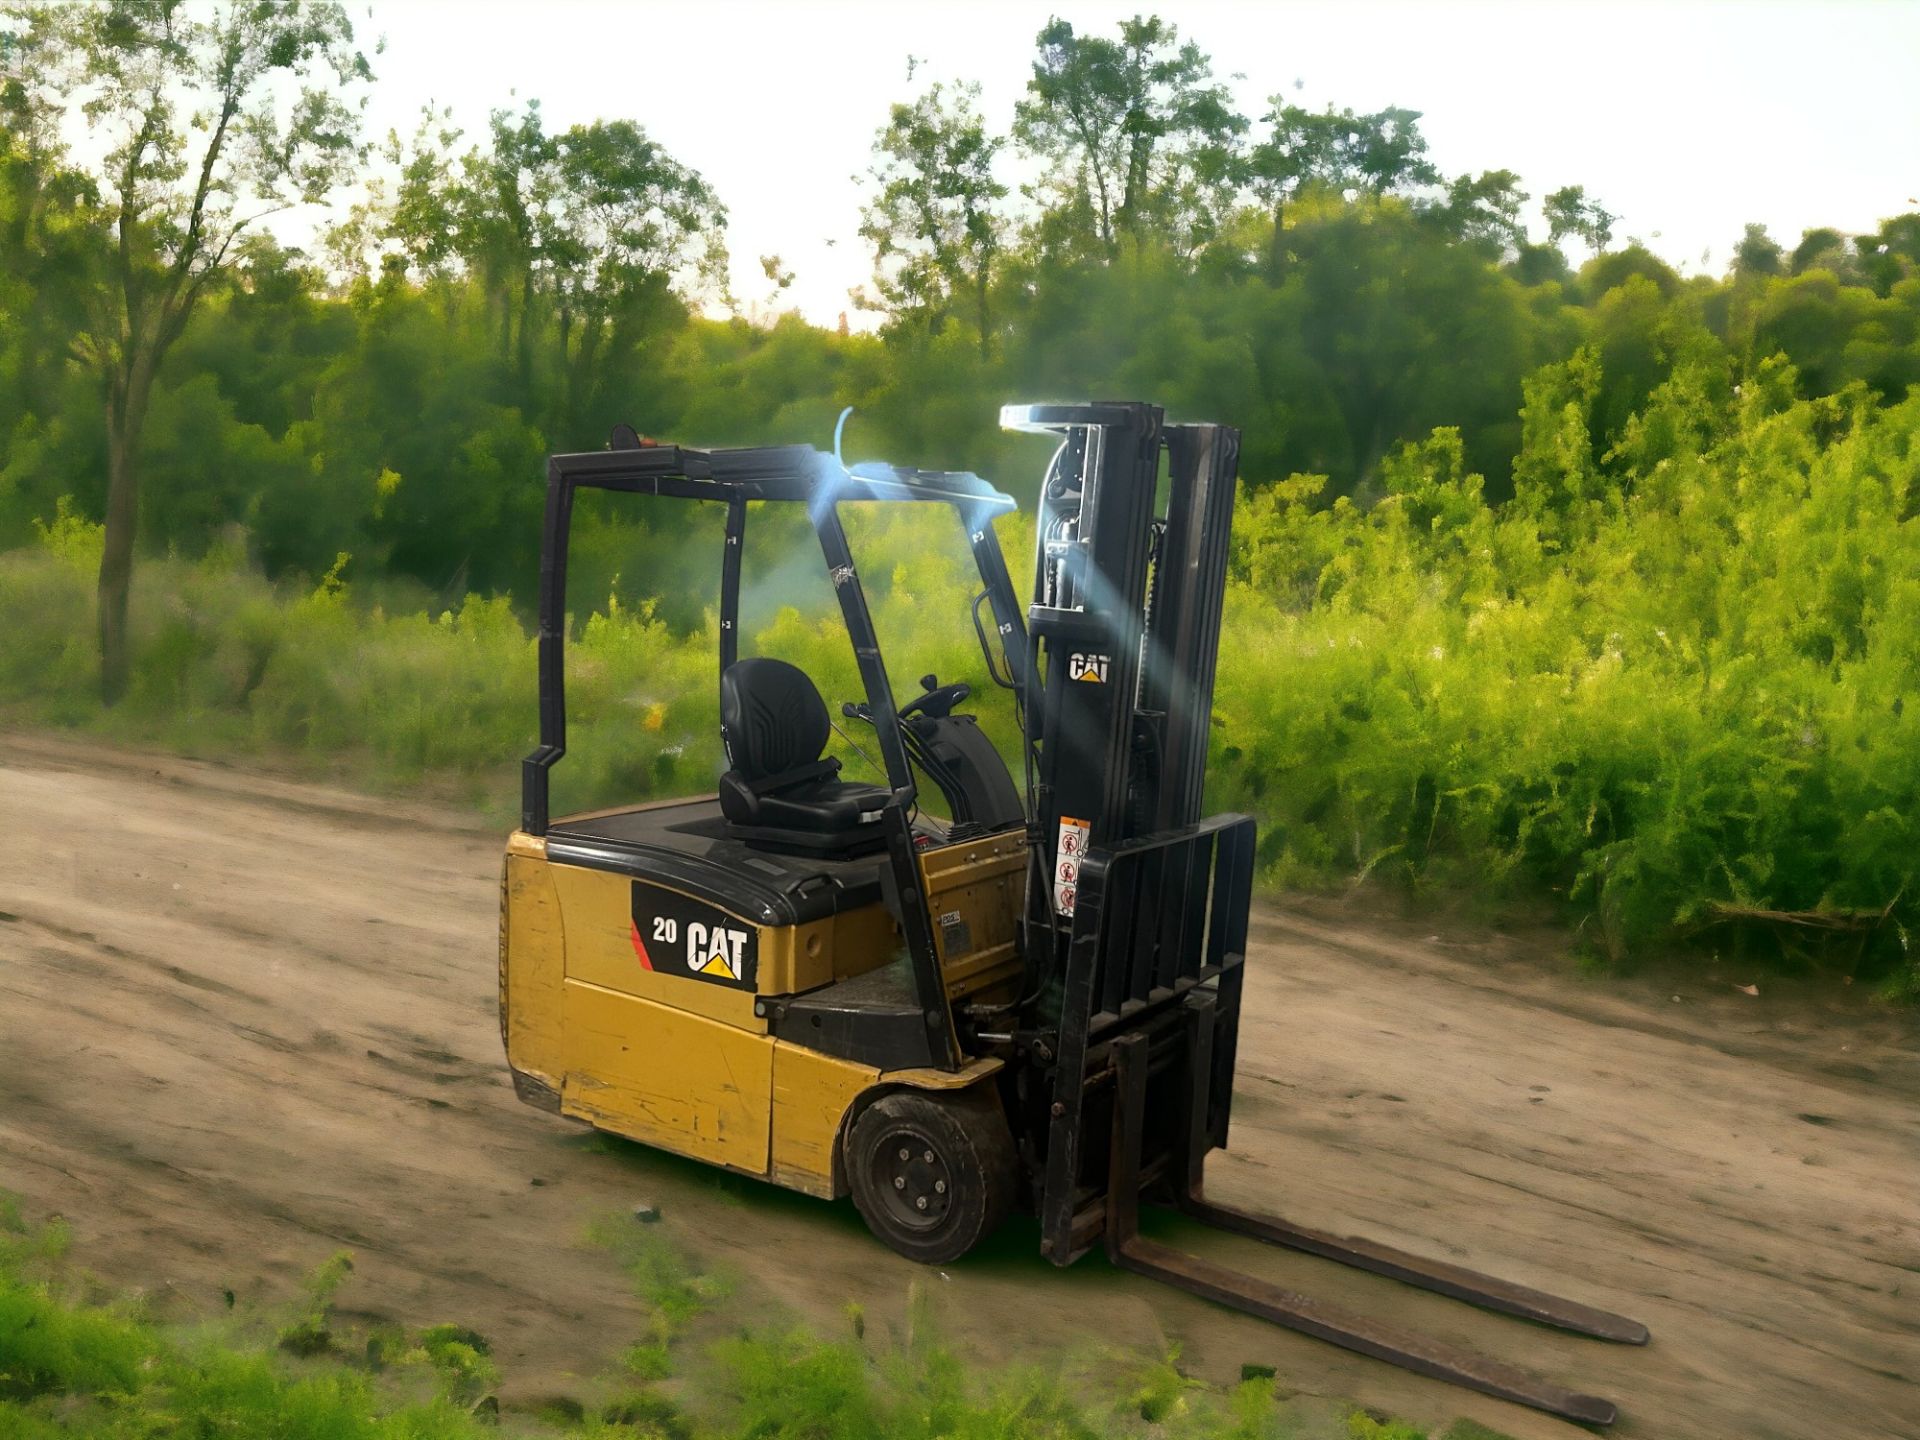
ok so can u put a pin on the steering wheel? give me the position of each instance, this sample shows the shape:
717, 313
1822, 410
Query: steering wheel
938, 701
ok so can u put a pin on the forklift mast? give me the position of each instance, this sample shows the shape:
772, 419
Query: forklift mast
1141, 924
1126, 600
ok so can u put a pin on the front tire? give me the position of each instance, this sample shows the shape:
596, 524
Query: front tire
933, 1174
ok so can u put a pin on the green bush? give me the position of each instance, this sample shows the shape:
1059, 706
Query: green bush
1666, 683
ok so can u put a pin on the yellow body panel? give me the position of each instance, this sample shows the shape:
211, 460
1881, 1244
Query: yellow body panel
533, 949
803, 957
975, 890
599, 938
667, 1077
686, 1065
811, 1095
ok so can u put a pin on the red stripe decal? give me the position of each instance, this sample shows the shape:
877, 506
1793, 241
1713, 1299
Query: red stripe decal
646, 960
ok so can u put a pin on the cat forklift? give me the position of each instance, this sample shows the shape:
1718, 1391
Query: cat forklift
1029, 1003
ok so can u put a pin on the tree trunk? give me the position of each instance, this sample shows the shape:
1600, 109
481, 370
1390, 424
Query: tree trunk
986, 321
126, 419
569, 373
1134, 198
1277, 247
526, 333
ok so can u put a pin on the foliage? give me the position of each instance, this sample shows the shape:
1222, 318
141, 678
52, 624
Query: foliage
195, 153
1666, 681
674, 1289
310, 1333
68, 1367
932, 220
71, 1366
1139, 137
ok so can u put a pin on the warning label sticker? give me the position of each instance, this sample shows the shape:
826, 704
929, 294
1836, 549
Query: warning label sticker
1069, 854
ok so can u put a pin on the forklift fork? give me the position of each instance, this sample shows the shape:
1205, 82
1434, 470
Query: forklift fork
1129, 1250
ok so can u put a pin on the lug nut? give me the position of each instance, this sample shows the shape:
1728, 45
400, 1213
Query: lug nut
929, 1157
921, 1203
905, 1154
939, 1187
899, 1182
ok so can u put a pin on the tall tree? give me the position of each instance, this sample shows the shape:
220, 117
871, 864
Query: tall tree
1570, 212
629, 228
579, 237
209, 119
1337, 151
933, 219
499, 214
1140, 137
1758, 253
1484, 211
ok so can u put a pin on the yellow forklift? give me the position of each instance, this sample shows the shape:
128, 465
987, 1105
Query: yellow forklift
1032, 1004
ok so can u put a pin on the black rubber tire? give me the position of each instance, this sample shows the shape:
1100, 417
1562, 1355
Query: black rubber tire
968, 1184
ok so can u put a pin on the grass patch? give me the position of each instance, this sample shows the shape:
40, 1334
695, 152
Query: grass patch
674, 1289
70, 1366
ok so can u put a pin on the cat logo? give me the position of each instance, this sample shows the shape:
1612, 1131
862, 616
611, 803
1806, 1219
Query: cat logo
671, 931
1087, 667
715, 950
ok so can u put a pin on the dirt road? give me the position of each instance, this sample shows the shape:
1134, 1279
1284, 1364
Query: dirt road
245, 1022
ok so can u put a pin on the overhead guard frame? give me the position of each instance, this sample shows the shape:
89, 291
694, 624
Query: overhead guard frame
794, 474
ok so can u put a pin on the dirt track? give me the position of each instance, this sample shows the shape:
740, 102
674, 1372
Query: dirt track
246, 1022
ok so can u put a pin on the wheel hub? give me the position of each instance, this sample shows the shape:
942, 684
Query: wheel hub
914, 1179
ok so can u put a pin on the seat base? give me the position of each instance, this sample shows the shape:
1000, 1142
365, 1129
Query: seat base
827, 844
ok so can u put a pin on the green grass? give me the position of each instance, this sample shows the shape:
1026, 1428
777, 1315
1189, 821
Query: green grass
71, 1366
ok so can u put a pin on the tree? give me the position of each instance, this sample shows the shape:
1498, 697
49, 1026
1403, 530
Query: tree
210, 120
628, 229
1891, 255
1484, 211
594, 229
1823, 248
932, 221
497, 215
1139, 136
1758, 253
418, 224
1337, 151
1570, 212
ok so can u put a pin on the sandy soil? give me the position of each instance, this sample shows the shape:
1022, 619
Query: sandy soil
245, 1022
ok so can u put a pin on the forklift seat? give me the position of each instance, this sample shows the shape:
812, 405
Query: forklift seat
780, 792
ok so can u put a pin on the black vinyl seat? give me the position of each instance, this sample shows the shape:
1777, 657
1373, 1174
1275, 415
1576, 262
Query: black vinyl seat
780, 792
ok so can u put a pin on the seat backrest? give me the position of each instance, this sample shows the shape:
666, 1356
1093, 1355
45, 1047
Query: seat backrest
773, 715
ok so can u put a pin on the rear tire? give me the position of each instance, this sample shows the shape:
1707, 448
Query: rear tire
933, 1173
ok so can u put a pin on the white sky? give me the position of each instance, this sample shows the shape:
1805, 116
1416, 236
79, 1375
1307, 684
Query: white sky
1686, 119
